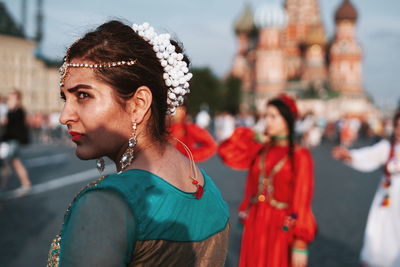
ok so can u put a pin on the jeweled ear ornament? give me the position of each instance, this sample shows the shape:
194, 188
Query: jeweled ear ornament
128, 156
63, 72
100, 164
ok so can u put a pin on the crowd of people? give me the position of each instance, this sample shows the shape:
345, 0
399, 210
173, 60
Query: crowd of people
310, 130
124, 98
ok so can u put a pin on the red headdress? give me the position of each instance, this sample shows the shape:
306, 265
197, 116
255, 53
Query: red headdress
290, 103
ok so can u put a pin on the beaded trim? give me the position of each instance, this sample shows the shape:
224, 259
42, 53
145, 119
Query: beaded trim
176, 71
63, 70
266, 184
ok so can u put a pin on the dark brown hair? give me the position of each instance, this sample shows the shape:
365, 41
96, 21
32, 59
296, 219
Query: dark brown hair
290, 120
114, 41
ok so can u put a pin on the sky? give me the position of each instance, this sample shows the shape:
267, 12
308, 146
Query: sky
205, 27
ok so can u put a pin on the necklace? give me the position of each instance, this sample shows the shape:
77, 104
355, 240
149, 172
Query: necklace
280, 137
266, 183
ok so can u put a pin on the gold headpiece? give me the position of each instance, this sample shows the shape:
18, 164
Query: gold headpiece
64, 68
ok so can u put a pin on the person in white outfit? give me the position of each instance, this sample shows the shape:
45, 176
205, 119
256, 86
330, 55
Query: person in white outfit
382, 235
203, 119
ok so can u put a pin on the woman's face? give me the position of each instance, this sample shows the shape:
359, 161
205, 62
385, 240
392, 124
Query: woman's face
276, 124
97, 123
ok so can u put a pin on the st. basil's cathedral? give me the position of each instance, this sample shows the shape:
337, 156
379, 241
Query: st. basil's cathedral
285, 49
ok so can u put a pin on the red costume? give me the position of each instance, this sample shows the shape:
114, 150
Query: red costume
199, 141
277, 201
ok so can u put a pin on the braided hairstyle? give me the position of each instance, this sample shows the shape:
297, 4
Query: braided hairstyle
290, 119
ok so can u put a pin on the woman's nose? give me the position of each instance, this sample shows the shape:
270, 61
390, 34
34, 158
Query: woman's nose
68, 114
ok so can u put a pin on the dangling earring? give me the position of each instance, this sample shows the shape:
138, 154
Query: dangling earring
100, 164
128, 156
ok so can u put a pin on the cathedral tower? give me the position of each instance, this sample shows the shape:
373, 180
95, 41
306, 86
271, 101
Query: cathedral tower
314, 67
270, 58
244, 28
345, 71
303, 16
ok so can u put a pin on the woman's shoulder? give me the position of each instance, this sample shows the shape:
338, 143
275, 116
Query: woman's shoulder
214, 190
302, 152
383, 144
131, 184
299, 149
160, 205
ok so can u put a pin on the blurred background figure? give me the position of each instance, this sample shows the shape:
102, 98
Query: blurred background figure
198, 140
203, 118
310, 130
15, 135
3, 112
382, 235
245, 119
224, 125
276, 207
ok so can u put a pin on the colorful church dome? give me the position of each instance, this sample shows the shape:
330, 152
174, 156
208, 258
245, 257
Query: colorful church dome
346, 11
270, 15
245, 24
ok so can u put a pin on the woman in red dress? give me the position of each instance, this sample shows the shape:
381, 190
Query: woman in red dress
276, 208
198, 140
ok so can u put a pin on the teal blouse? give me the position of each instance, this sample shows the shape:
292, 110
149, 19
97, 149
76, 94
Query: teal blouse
137, 218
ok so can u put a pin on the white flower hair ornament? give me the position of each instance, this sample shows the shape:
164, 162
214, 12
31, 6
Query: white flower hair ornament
176, 72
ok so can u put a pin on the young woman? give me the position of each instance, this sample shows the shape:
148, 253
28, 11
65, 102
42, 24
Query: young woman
382, 234
276, 208
119, 83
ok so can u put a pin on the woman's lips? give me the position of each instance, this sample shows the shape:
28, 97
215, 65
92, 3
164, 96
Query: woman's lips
75, 136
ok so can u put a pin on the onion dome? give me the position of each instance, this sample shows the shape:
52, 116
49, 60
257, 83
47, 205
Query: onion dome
346, 11
316, 35
244, 23
270, 16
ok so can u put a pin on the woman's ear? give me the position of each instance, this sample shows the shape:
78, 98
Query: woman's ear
139, 104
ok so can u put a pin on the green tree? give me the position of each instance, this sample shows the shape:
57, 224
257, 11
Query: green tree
205, 89
232, 95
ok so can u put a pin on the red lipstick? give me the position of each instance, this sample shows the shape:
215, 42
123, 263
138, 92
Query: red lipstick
75, 136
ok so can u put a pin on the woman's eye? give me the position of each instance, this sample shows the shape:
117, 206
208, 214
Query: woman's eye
82, 95
63, 98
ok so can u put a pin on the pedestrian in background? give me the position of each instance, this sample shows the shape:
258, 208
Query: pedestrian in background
3, 112
382, 234
15, 135
119, 83
198, 140
276, 208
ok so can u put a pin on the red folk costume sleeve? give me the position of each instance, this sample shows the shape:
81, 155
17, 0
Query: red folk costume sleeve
250, 189
239, 150
305, 226
199, 141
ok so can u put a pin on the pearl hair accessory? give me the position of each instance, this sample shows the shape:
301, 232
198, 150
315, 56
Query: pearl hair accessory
64, 68
176, 71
